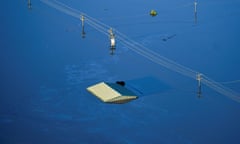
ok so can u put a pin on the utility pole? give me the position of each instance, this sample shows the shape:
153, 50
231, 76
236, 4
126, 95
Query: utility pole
83, 32
199, 78
195, 11
112, 41
29, 5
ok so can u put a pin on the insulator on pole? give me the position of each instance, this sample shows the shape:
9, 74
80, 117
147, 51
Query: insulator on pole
82, 19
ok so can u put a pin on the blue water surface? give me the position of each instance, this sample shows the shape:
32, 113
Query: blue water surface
46, 67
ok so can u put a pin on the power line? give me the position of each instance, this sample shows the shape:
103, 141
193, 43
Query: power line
146, 52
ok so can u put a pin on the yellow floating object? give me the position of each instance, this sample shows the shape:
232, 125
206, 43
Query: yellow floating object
153, 13
112, 93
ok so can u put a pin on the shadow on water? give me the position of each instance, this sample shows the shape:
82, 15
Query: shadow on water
147, 86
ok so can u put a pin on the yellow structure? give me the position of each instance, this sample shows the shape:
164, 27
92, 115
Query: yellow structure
153, 13
112, 93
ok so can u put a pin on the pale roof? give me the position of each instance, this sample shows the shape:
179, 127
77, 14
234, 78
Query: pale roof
111, 92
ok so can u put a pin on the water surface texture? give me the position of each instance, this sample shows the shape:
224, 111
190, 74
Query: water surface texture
46, 67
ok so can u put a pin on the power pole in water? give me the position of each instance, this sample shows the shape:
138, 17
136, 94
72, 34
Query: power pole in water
199, 78
83, 32
195, 12
112, 41
29, 5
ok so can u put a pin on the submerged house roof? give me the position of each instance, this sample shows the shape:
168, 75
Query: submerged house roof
112, 93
